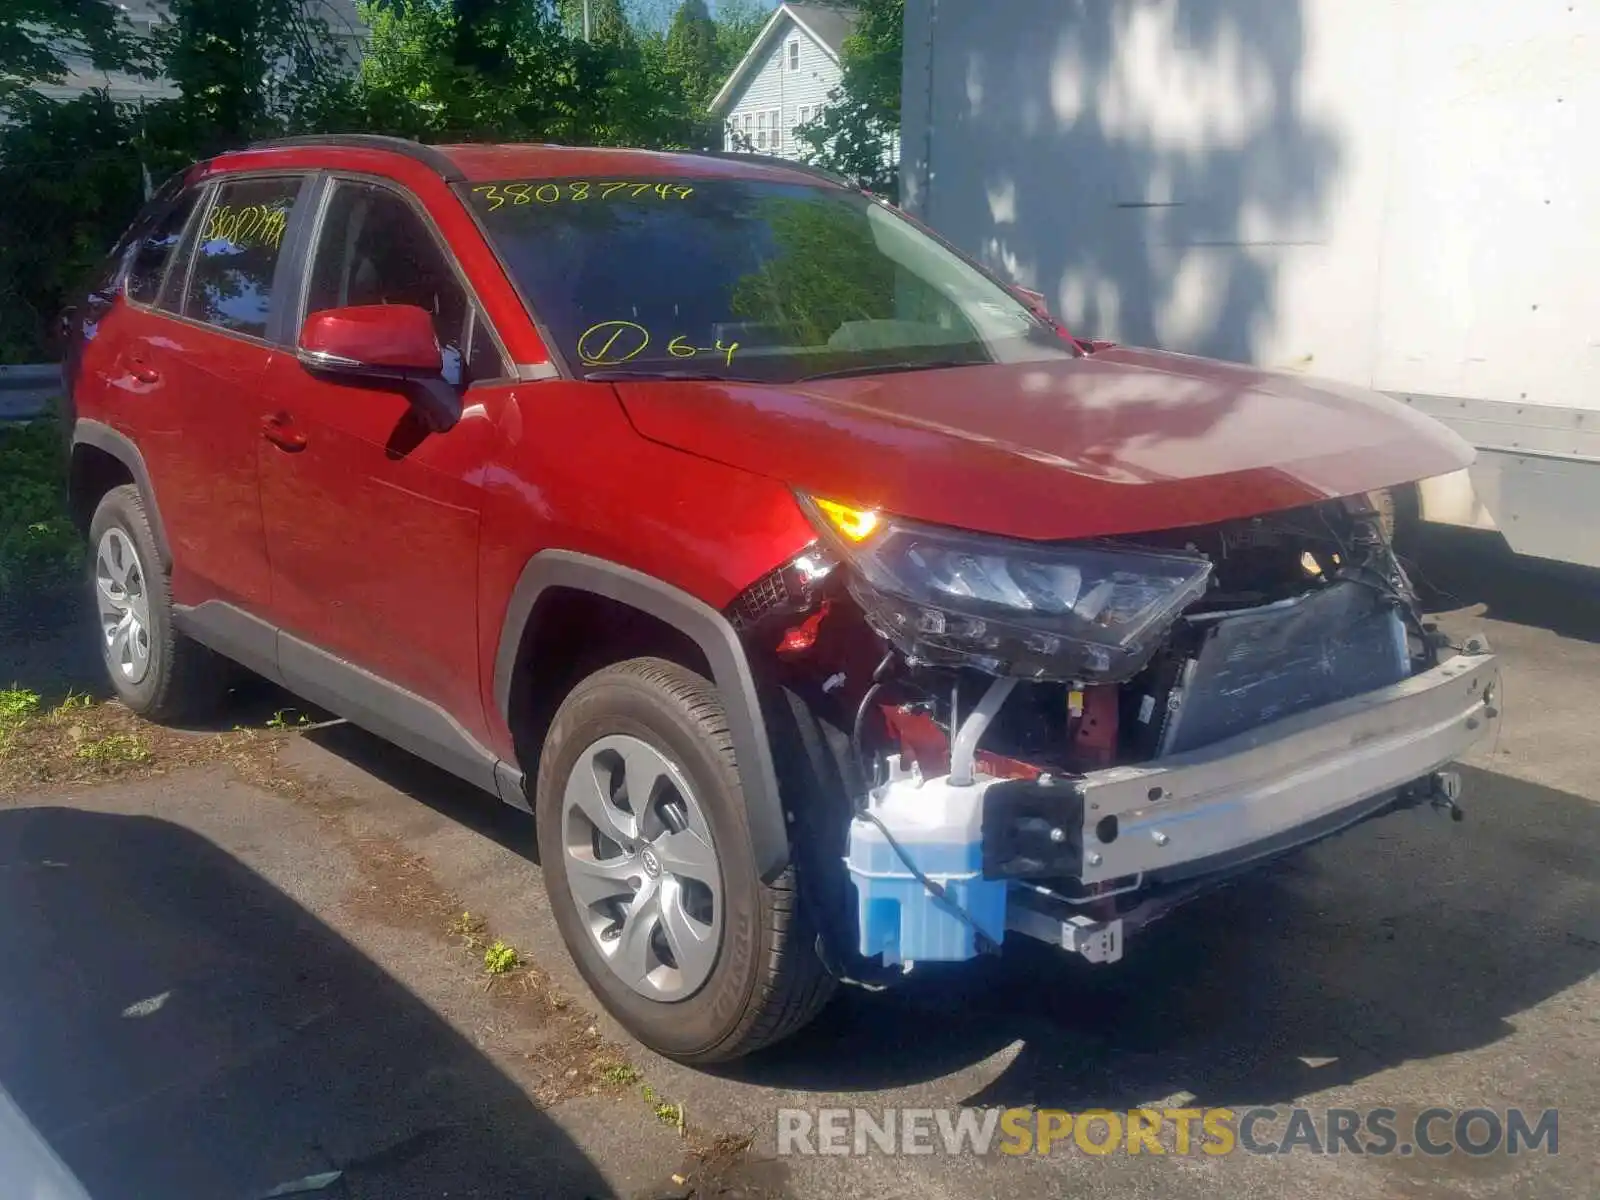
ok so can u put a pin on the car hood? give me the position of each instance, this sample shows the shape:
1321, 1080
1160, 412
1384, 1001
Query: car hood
1119, 442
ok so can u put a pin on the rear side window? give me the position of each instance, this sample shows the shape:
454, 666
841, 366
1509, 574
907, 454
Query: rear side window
230, 284
153, 247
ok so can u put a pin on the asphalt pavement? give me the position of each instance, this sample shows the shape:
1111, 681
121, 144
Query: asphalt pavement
214, 988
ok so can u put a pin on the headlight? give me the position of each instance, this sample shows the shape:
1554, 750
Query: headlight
1037, 610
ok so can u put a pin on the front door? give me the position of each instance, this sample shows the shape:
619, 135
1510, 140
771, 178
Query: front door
372, 522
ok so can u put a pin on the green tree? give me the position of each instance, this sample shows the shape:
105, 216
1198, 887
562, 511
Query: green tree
691, 51
738, 22
243, 68
37, 37
649, 16
608, 25
69, 184
857, 132
523, 75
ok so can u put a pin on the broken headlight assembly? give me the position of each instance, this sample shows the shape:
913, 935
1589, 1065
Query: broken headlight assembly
946, 597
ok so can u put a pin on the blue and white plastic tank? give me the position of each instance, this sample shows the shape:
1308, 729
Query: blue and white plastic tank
940, 828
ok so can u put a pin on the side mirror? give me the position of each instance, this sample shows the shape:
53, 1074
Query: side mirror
383, 344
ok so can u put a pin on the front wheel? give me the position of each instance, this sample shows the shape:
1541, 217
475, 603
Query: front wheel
648, 864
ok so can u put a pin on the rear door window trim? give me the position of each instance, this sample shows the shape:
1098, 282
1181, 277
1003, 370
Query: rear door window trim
280, 270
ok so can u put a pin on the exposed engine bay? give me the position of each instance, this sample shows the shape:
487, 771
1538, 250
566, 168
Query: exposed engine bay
1301, 612
999, 745
1303, 608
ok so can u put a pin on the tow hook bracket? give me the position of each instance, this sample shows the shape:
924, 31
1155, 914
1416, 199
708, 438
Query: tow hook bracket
1030, 913
1446, 793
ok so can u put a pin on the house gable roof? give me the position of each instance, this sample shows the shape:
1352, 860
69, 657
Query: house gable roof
825, 24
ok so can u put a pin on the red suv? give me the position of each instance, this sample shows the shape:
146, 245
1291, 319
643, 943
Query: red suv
832, 608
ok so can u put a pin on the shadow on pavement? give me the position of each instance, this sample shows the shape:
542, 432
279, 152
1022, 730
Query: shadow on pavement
174, 1026
1459, 567
52, 650
450, 797
1407, 938
49, 647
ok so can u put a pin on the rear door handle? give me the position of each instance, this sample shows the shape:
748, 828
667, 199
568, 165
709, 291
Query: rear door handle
279, 429
144, 372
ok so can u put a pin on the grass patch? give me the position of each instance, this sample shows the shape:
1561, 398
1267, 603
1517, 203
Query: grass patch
81, 740
115, 749
71, 703
672, 1114
620, 1075
500, 958
38, 545
16, 706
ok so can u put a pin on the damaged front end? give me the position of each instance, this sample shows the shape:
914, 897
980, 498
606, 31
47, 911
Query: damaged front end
1063, 741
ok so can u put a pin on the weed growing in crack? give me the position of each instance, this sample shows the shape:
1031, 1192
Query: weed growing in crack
113, 749
620, 1074
500, 959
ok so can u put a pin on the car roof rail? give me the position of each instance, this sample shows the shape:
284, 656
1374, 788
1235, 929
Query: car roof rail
769, 160
427, 155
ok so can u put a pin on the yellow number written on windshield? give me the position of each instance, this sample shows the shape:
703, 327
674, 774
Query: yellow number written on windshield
498, 195
611, 343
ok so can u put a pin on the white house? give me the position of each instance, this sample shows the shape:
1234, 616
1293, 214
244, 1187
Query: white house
784, 78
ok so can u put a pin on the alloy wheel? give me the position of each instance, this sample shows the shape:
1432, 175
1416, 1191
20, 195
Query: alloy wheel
124, 604
641, 867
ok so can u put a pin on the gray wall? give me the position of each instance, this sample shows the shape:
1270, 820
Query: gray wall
1148, 165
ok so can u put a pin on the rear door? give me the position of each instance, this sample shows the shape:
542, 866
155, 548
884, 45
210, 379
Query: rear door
372, 521
114, 327
211, 351
95, 327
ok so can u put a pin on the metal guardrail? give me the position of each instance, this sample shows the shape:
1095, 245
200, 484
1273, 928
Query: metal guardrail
26, 390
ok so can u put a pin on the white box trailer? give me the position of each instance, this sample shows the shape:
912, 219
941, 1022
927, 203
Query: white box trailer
1401, 194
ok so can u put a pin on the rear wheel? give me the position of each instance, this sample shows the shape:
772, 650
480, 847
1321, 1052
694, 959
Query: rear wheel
154, 670
650, 872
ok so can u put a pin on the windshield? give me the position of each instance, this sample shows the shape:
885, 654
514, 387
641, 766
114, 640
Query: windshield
746, 280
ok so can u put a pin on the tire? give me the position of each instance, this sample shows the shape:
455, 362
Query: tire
765, 979
176, 677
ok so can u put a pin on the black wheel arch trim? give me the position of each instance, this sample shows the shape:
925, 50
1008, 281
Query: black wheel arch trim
88, 432
730, 670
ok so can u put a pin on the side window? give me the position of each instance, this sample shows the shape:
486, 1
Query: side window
374, 248
153, 249
230, 284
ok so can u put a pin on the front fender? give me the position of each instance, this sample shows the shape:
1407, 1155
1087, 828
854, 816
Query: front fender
702, 624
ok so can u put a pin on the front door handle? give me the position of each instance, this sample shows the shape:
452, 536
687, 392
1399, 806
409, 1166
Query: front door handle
144, 372
279, 429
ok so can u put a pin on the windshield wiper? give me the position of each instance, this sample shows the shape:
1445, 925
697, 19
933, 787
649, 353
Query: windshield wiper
886, 368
